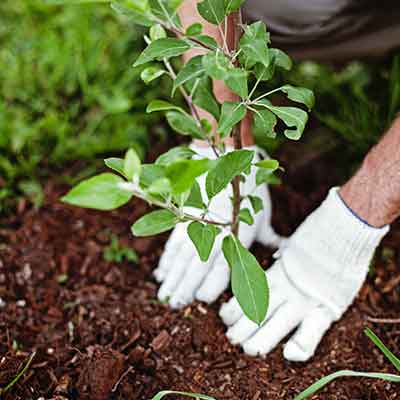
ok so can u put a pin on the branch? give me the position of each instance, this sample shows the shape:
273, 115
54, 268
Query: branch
168, 206
237, 140
188, 100
192, 107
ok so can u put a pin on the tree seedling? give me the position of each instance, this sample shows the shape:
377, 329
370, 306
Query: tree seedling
170, 182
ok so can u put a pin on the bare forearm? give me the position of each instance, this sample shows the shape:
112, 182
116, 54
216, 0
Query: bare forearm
374, 191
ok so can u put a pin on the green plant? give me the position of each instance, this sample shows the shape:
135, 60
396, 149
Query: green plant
67, 92
358, 101
348, 373
170, 183
117, 253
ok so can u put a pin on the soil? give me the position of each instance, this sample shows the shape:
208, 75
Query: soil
99, 333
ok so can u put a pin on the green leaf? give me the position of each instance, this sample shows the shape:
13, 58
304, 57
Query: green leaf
249, 282
203, 237
162, 48
342, 374
253, 44
232, 5
231, 114
157, 32
292, 117
166, 10
193, 69
184, 124
139, 6
173, 4
212, 10
236, 80
216, 65
270, 164
33, 191
151, 73
197, 396
266, 176
256, 203
387, 353
161, 186
161, 105
245, 216
155, 222
264, 123
175, 154
195, 198
101, 192
203, 97
183, 173
281, 59
150, 174
194, 29
132, 164
137, 11
300, 94
116, 164
264, 73
208, 41
225, 169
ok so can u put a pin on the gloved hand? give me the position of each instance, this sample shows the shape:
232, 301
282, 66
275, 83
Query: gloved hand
183, 275
318, 275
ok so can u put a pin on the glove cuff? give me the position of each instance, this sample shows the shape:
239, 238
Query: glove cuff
329, 254
208, 152
355, 240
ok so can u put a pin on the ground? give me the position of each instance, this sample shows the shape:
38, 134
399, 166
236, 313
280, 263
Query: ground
99, 333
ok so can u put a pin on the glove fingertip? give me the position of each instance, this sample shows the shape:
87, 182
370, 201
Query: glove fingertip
293, 352
159, 275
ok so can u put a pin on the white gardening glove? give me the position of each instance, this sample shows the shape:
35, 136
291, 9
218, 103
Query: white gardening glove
183, 275
319, 273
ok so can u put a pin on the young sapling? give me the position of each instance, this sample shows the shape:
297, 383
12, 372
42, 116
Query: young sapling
170, 183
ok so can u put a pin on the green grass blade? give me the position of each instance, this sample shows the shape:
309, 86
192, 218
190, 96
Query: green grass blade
19, 375
388, 354
164, 393
341, 374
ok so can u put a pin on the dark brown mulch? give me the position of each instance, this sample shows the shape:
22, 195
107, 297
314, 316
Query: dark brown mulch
99, 332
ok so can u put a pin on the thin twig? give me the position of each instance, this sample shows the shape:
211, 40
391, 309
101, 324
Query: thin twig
189, 101
383, 320
237, 140
266, 94
171, 207
192, 107
115, 387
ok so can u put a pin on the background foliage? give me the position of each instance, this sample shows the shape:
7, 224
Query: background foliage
68, 90
357, 101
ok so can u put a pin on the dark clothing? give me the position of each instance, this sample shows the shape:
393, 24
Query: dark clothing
330, 29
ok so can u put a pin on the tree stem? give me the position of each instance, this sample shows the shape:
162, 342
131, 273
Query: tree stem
237, 140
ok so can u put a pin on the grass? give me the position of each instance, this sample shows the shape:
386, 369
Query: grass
68, 90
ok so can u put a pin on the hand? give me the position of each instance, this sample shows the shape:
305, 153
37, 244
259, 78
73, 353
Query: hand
316, 278
184, 277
